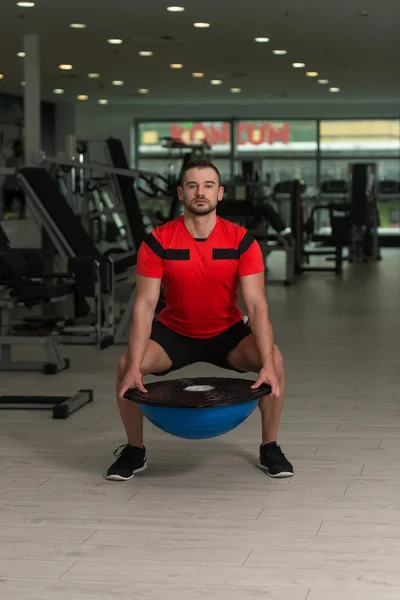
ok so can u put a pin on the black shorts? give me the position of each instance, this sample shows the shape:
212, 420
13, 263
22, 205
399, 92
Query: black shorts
185, 351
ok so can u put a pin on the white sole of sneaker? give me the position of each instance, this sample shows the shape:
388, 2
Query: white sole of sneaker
278, 475
119, 478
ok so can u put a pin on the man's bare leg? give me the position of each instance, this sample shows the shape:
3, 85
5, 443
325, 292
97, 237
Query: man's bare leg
131, 457
155, 361
245, 357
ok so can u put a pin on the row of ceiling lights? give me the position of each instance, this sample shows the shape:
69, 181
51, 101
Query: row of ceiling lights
260, 40
148, 53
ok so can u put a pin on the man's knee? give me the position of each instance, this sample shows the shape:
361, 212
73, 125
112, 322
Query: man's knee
278, 359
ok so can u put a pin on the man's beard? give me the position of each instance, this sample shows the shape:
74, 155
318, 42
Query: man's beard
200, 210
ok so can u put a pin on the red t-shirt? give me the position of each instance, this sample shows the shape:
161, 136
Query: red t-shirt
200, 277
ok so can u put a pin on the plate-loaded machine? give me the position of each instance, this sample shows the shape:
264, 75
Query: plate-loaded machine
95, 275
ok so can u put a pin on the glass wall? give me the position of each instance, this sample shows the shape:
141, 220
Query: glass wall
360, 138
276, 138
367, 141
311, 150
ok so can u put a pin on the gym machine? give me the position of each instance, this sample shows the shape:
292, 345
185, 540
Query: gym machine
364, 243
282, 197
257, 219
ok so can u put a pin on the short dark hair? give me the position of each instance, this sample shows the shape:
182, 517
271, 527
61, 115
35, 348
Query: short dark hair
199, 163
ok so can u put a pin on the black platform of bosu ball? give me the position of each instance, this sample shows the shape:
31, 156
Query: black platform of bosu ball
198, 408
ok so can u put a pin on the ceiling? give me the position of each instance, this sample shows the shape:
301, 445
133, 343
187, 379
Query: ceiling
358, 54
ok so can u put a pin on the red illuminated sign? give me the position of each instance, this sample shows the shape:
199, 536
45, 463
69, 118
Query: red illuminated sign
248, 133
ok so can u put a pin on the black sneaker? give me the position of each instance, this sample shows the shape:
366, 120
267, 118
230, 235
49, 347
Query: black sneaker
130, 460
274, 462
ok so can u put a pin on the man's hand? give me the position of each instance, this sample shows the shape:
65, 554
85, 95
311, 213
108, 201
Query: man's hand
268, 375
132, 379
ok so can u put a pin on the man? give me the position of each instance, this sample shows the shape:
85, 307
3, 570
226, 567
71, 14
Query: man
200, 260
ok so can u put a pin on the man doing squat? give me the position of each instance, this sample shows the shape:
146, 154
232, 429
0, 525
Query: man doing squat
200, 260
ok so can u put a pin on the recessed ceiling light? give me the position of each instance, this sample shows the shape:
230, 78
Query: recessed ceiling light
261, 40
298, 65
215, 81
23, 83
103, 101
82, 97
115, 41
21, 54
58, 91
145, 53
175, 8
201, 25
323, 81
117, 82
65, 67
25, 4
236, 90
143, 91
77, 25
93, 75
198, 75
364, 13
176, 66
312, 74
279, 52
334, 89
1, 76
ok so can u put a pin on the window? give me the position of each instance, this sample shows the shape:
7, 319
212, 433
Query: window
151, 137
273, 137
360, 138
387, 187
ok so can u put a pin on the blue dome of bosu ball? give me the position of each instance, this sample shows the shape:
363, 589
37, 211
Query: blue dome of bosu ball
198, 408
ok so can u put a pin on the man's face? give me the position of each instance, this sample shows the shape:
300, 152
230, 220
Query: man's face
200, 192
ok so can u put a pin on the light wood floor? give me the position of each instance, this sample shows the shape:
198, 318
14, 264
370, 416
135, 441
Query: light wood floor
204, 522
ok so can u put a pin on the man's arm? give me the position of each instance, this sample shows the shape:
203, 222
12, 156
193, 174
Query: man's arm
144, 307
253, 293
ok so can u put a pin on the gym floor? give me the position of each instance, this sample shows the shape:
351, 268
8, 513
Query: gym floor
204, 521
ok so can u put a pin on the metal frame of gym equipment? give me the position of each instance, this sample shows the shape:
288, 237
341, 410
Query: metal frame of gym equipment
364, 212
61, 406
55, 361
4, 171
91, 198
187, 152
283, 241
101, 333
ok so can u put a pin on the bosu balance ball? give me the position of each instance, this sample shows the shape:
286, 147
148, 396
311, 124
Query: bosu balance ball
198, 408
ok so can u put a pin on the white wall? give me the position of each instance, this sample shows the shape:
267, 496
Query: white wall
99, 122
252, 110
